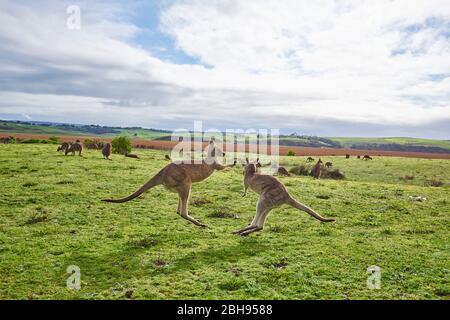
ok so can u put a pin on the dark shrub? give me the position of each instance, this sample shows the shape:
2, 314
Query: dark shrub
44, 141
31, 141
290, 153
332, 174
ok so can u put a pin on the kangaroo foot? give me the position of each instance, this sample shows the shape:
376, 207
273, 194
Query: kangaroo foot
194, 221
247, 232
244, 229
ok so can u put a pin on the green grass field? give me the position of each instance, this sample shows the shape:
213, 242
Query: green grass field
51, 217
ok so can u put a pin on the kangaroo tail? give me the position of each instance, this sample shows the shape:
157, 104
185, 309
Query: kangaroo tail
150, 184
291, 201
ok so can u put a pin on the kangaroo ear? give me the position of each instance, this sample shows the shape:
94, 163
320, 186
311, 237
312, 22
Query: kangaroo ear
246, 160
213, 152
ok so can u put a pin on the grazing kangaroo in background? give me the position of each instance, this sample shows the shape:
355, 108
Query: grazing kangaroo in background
63, 147
309, 159
283, 172
106, 151
328, 164
179, 177
131, 155
167, 157
317, 170
347, 156
367, 157
272, 193
74, 147
359, 157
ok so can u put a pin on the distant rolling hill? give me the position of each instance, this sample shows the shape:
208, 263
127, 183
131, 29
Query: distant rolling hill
382, 144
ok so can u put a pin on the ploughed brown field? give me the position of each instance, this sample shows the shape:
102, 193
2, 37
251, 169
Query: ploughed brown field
299, 151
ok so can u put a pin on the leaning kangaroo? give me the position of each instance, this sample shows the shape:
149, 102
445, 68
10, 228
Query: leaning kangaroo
179, 177
272, 193
63, 147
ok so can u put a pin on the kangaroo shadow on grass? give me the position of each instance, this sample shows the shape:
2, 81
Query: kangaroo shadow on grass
215, 256
103, 271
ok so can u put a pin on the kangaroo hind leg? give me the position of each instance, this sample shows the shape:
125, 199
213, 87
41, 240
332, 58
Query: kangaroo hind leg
262, 211
184, 198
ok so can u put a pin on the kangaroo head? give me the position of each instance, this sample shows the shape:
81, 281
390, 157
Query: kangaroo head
250, 168
212, 153
217, 152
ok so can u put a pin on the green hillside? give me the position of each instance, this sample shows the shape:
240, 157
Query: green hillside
387, 144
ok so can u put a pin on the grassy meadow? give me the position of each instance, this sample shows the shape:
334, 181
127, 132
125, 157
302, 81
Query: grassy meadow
51, 217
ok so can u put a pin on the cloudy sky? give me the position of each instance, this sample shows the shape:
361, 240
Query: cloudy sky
330, 68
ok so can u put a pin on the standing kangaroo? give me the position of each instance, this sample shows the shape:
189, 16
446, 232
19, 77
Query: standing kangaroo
179, 177
272, 193
317, 170
106, 151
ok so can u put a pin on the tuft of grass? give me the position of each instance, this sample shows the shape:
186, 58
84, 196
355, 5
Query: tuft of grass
41, 215
434, 183
160, 262
276, 229
65, 182
231, 285
197, 202
29, 184
223, 214
143, 242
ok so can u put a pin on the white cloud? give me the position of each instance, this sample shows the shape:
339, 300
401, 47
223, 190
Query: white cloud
304, 65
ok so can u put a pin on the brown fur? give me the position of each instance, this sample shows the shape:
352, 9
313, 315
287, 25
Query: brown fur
106, 151
63, 147
74, 147
309, 159
272, 193
283, 172
317, 170
328, 164
347, 156
179, 177
367, 157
